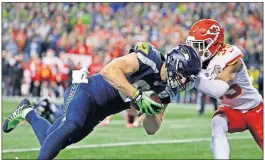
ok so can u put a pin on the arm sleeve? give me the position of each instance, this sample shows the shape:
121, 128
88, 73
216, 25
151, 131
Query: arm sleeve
214, 88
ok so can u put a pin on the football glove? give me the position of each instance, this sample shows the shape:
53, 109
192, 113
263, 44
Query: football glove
146, 104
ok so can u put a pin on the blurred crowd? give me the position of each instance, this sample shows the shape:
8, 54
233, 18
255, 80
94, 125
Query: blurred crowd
35, 37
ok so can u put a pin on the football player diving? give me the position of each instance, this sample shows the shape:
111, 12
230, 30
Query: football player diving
130, 79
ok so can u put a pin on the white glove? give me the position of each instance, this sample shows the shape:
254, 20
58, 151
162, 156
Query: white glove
80, 76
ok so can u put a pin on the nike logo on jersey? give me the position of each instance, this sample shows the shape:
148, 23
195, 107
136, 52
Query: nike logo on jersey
258, 110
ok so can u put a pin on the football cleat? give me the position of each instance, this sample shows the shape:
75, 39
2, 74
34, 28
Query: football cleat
17, 116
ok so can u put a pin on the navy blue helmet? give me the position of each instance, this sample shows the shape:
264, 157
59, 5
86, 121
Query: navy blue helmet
182, 65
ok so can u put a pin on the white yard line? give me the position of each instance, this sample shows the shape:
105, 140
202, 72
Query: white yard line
128, 144
60, 100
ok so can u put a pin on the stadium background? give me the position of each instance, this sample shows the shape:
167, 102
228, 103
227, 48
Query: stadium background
43, 42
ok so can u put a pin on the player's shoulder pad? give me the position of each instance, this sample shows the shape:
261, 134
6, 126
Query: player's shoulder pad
142, 47
149, 55
229, 55
147, 49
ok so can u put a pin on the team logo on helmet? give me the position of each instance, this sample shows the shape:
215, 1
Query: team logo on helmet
185, 52
214, 30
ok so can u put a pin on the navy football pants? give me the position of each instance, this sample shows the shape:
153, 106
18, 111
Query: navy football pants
77, 122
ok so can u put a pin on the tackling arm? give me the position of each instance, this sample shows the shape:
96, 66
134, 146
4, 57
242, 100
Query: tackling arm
114, 73
220, 85
152, 123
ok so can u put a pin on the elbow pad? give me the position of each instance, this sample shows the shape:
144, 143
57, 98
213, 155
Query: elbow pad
214, 88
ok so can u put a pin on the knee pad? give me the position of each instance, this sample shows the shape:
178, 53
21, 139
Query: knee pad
219, 125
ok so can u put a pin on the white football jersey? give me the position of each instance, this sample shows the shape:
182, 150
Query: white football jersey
241, 95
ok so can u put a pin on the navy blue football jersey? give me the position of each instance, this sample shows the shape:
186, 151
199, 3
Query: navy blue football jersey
146, 78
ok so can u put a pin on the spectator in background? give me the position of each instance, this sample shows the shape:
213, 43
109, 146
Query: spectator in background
20, 39
254, 75
5, 73
17, 75
11, 47
201, 102
87, 28
96, 65
46, 75
26, 84
70, 65
35, 70
12, 74
53, 38
260, 81
62, 44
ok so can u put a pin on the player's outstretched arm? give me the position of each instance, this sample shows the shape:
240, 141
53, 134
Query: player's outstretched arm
152, 123
114, 73
222, 81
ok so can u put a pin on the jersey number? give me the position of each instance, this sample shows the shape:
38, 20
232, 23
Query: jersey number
225, 50
233, 92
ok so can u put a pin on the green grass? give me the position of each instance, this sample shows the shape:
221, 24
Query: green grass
179, 123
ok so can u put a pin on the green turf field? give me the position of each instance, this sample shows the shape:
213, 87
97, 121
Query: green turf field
183, 135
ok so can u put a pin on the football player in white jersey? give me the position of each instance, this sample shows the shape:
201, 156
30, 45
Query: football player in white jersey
224, 77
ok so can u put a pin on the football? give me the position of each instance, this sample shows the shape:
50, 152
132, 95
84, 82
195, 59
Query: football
155, 98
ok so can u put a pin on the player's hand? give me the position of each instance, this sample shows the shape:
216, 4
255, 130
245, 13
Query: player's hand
146, 104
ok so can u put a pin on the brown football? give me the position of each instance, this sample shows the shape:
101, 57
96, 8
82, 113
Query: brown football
155, 98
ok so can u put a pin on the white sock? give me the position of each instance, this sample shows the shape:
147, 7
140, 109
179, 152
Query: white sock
219, 144
26, 111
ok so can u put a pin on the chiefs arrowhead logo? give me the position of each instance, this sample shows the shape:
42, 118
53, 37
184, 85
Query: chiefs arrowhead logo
214, 30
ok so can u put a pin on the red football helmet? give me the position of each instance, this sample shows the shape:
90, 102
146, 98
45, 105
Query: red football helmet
207, 37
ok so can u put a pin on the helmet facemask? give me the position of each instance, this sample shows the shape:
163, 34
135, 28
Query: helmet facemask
182, 66
178, 81
202, 47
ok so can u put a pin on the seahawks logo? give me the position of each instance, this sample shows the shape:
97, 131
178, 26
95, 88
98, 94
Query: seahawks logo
181, 49
185, 52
